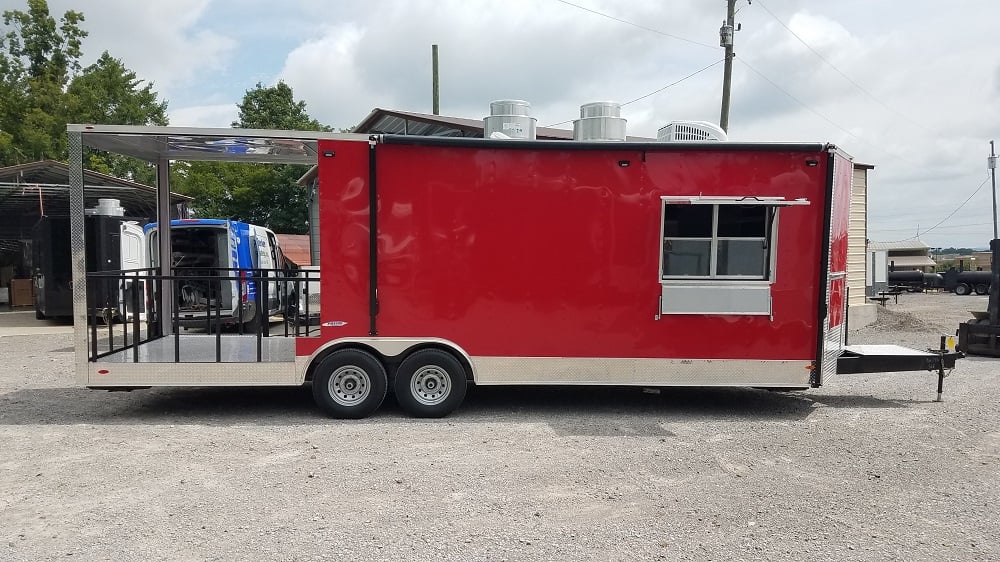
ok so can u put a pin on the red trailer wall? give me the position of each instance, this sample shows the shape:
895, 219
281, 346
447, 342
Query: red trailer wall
555, 253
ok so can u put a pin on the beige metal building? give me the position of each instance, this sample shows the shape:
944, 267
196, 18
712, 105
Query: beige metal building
906, 255
860, 312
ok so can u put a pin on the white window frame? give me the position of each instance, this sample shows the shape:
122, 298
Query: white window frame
721, 294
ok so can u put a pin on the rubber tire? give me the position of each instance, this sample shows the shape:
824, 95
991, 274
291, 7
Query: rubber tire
360, 360
962, 289
982, 289
441, 360
38, 314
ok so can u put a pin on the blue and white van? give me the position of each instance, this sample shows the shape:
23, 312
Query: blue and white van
206, 248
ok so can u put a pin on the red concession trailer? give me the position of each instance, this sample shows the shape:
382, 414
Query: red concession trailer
447, 262
702, 264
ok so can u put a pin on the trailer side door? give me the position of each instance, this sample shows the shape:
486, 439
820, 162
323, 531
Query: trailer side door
834, 278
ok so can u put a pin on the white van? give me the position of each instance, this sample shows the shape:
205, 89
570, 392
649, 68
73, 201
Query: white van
207, 248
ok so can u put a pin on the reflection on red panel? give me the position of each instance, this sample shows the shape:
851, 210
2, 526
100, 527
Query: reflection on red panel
837, 295
555, 253
841, 213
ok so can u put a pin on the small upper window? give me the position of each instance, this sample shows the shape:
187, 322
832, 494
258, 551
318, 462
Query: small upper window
717, 241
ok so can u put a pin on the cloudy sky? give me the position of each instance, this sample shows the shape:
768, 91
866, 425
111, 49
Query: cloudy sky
910, 87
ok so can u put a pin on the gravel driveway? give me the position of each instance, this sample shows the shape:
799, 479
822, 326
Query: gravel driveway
866, 468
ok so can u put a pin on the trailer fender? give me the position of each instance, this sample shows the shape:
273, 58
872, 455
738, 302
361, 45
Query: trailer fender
390, 351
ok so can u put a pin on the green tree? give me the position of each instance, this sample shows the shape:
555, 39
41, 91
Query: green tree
107, 92
264, 194
42, 88
275, 108
37, 60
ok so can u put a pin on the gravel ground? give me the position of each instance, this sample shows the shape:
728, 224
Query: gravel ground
866, 468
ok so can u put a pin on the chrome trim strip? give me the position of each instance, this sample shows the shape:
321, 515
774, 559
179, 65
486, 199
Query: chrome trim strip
641, 372
193, 374
78, 255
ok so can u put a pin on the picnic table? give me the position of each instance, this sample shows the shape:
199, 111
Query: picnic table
884, 296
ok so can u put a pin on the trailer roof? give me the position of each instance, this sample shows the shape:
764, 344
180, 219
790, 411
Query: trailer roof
609, 145
152, 144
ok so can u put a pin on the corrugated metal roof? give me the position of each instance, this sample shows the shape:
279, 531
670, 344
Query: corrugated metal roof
395, 122
296, 248
28, 189
912, 245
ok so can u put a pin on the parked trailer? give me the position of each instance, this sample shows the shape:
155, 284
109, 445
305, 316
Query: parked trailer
446, 262
914, 281
909, 281
112, 244
969, 282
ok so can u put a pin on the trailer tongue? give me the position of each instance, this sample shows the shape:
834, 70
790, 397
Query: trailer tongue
895, 358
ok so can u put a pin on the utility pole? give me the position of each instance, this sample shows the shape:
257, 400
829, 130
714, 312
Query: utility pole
726, 34
434, 86
993, 172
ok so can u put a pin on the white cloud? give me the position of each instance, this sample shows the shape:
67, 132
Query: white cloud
934, 82
158, 40
324, 73
219, 115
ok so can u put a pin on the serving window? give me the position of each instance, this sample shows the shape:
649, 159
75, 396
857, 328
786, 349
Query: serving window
717, 254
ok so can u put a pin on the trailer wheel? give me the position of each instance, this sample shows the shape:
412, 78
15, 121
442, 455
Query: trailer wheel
982, 289
430, 383
962, 289
349, 383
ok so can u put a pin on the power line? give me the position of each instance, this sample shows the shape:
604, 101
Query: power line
798, 101
748, 65
969, 198
939, 228
652, 30
840, 72
823, 117
654, 92
674, 83
633, 24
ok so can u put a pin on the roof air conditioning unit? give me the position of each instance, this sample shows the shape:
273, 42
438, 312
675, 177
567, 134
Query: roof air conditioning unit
691, 131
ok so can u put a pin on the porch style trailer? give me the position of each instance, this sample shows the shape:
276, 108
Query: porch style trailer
445, 262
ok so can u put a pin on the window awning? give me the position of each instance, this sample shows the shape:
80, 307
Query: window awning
736, 200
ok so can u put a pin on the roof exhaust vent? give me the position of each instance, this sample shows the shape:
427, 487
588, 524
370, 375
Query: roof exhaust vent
509, 119
599, 121
107, 207
691, 131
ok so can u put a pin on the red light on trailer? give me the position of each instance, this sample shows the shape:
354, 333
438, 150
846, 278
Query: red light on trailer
103, 371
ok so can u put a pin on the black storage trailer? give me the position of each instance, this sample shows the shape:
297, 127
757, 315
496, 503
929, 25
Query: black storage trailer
968, 282
52, 267
914, 281
51, 271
